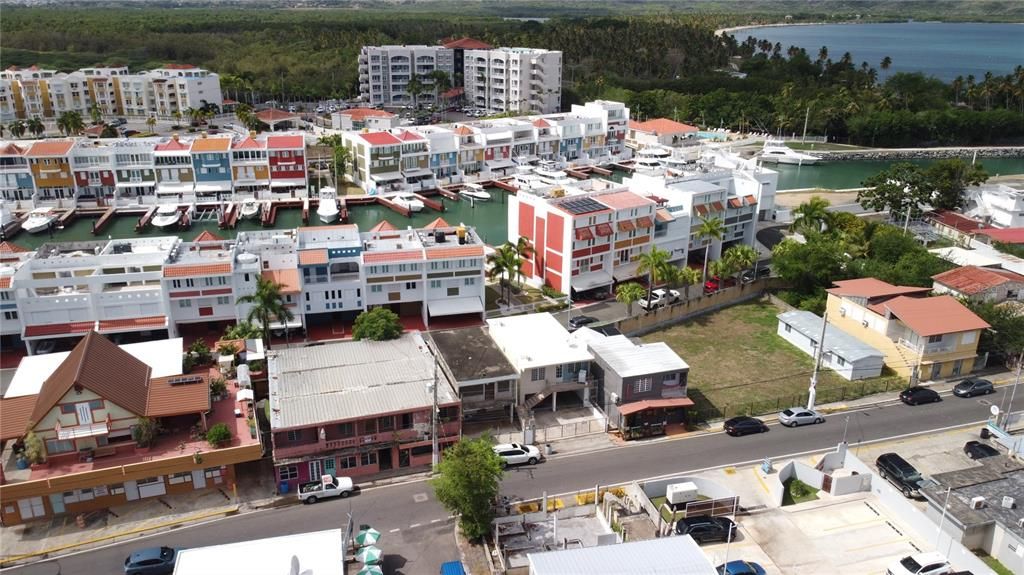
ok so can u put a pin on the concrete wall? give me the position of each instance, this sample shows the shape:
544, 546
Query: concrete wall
706, 487
850, 484
792, 469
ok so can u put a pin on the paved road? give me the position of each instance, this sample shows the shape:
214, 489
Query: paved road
423, 525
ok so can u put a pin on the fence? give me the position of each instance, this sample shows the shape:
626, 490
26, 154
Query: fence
537, 306
554, 432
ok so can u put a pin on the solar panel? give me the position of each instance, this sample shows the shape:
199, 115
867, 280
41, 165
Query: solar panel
185, 380
578, 206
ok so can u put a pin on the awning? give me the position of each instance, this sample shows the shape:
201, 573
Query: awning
657, 199
644, 222
735, 203
391, 177
499, 164
751, 200
286, 184
626, 271
179, 188
663, 215
80, 431
718, 206
417, 173
701, 209
135, 184
604, 230
132, 324
455, 306
637, 406
213, 188
626, 226
591, 280
584, 234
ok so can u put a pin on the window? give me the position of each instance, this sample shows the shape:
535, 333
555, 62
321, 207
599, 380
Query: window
504, 386
453, 292
789, 328
185, 303
67, 408
670, 377
288, 472
410, 285
642, 385
212, 472
558, 371
347, 462
116, 489
935, 339
376, 288
968, 337
55, 446
406, 422
369, 427
840, 361
435, 284
10, 315
386, 423
469, 281
346, 429
538, 373
295, 435
96, 404
226, 300
369, 458
180, 477
422, 450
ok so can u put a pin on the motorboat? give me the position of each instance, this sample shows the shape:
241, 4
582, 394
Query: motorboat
549, 174
327, 208
779, 153
39, 220
652, 158
250, 209
166, 216
408, 201
476, 192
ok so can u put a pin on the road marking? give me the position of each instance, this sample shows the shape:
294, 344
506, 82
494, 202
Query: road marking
857, 524
894, 541
394, 530
436, 520
420, 498
414, 525
760, 480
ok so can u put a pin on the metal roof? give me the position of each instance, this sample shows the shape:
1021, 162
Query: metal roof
629, 359
350, 380
837, 341
664, 556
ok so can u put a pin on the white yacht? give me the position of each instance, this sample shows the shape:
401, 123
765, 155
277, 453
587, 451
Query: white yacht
779, 153
549, 173
39, 220
652, 158
476, 192
327, 208
250, 209
408, 201
166, 216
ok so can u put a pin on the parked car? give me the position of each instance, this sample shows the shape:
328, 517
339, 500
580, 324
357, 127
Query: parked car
979, 450
973, 386
901, 474
516, 454
319, 109
704, 529
328, 486
795, 416
117, 122
579, 321
740, 567
660, 297
751, 275
292, 108
930, 563
151, 561
744, 425
917, 395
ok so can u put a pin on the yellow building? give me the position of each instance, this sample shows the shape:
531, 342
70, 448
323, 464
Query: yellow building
934, 337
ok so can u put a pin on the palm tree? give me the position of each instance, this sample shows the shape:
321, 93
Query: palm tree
415, 87
739, 258
629, 293
885, 63
95, 114
686, 277
267, 305
958, 85
713, 229
441, 83
823, 54
503, 261
524, 251
811, 215
655, 264
341, 154
177, 117
151, 123
70, 123
36, 126
195, 115
17, 128
244, 113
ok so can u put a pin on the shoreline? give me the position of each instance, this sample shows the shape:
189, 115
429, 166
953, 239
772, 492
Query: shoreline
732, 29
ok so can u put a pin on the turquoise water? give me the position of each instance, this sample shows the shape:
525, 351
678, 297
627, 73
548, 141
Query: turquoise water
943, 50
711, 136
850, 174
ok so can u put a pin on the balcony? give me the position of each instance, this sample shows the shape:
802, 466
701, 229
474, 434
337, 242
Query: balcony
445, 430
927, 349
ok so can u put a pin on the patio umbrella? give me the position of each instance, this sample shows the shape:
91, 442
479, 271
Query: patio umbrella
370, 570
368, 536
370, 555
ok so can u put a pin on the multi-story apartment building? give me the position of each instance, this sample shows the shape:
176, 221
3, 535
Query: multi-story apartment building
50, 163
526, 80
458, 48
17, 183
35, 92
385, 72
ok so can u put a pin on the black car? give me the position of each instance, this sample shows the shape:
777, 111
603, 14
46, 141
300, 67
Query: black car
973, 386
901, 473
917, 395
151, 561
580, 321
744, 425
704, 529
751, 275
978, 450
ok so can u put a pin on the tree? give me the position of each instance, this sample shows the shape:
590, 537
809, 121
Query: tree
441, 83
17, 128
177, 118
629, 293
949, 178
242, 330
415, 87
144, 431
713, 229
109, 132
655, 264
524, 251
898, 189
687, 276
1006, 338
151, 123
504, 261
885, 63
35, 451
810, 216
377, 324
95, 114
468, 482
341, 155
267, 305
808, 267
739, 258
218, 435
36, 126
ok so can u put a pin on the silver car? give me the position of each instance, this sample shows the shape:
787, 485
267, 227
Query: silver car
795, 416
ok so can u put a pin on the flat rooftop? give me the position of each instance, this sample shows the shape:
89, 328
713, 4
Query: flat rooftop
472, 356
536, 340
316, 553
995, 478
676, 555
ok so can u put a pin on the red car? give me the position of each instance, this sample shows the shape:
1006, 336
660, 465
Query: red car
712, 285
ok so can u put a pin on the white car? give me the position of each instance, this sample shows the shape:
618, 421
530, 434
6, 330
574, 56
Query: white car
921, 564
517, 454
659, 298
319, 110
795, 416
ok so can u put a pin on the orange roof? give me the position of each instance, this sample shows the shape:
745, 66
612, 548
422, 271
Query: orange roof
540, 123
5, 282
50, 148
407, 136
285, 142
934, 315
15, 414
463, 131
197, 270
287, 279
360, 114
972, 280
437, 223
247, 144
312, 257
380, 138
623, 200
444, 253
172, 145
273, 115
211, 144
135, 322
872, 288
383, 226
391, 256
12, 248
178, 66
207, 236
59, 328
661, 126
466, 44
165, 400
635, 406
11, 150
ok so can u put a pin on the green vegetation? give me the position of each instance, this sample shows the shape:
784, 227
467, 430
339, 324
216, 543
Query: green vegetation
267, 306
144, 431
1005, 340
468, 482
218, 435
993, 563
377, 324
797, 491
629, 294
506, 264
35, 452
906, 187
242, 330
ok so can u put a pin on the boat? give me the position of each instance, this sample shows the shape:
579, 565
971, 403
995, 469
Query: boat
327, 208
476, 192
652, 158
166, 216
408, 201
779, 153
250, 209
39, 220
549, 174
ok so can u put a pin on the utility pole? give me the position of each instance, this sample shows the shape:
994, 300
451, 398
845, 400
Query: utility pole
807, 118
1013, 392
817, 363
938, 536
435, 456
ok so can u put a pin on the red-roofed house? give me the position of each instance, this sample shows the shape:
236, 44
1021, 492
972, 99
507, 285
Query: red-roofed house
360, 118
955, 226
1005, 235
249, 170
272, 117
16, 182
658, 132
923, 338
287, 157
51, 168
975, 283
389, 161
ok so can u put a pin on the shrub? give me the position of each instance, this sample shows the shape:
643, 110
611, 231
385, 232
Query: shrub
378, 324
551, 292
201, 352
35, 451
218, 435
144, 431
218, 386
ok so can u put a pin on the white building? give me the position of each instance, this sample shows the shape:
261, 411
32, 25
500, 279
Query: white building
317, 553
999, 205
528, 80
676, 555
385, 71
843, 354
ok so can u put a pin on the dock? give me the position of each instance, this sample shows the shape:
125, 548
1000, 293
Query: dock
579, 175
145, 219
432, 204
503, 185
343, 210
104, 220
67, 217
305, 211
451, 192
389, 204
601, 171
268, 215
230, 219
184, 222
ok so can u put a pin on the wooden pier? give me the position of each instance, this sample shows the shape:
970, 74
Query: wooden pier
145, 219
579, 175
305, 211
451, 192
230, 219
104, 220
600, 171
389, 204
432, 204
67, 217
503, 185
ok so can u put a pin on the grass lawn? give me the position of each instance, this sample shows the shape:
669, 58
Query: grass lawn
491, 295
993, 563
797, 492
810, 146
738, 365
667, 515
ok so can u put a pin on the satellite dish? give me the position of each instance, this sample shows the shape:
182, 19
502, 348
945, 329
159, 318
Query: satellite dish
994, 410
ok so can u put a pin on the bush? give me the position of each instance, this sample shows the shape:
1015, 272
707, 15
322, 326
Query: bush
218, 435
377, 324
144, 431
201, 352
218, 386
551, 292
35, 452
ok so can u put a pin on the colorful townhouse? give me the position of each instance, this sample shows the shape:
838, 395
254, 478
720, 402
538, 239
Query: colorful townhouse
211, 164
135, 169
250, 172
922, 337
175, 174
94, 168
358, 408
286, 159
17, 183
50, 163
83, 413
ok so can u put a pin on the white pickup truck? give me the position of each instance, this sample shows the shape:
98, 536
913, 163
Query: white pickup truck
659, 298
328, 486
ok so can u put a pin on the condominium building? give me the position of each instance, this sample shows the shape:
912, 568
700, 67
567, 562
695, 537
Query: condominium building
163, 92
385, 72
527, 80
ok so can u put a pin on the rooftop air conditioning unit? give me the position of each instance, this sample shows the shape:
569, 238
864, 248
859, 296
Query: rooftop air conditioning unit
1008, 502
1020, 523
977, 502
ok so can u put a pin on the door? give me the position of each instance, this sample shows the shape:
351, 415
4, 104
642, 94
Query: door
131, 490
826, 484
384, 459
936, 370
958, 366
198, 479
57, 503
84, 413
32, 507
328, 465
315, 470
